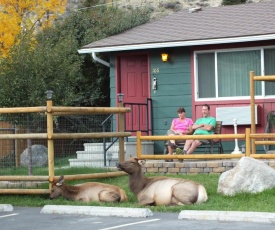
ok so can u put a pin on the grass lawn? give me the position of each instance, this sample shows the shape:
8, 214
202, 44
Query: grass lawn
262, 202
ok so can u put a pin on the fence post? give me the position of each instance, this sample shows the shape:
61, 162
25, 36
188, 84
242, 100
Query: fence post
17, 155
49, 136
139, 144
252, 109
247, 142
121, 127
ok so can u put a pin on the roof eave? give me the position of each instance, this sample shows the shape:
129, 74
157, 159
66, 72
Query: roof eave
177, 44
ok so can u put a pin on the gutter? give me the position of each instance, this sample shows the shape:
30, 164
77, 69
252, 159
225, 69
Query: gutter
177, 44
96, 58
100, 60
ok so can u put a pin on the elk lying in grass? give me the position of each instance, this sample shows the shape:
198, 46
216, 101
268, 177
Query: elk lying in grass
87, 192
161, 190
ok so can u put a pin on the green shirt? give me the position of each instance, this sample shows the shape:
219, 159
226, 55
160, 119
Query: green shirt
205, 120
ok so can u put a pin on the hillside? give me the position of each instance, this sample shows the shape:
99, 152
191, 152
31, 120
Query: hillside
159, 8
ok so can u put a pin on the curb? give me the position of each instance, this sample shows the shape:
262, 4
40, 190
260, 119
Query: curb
6, 208
262, 217
96, 211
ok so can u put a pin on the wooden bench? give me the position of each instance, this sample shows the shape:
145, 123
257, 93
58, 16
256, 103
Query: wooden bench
208, 146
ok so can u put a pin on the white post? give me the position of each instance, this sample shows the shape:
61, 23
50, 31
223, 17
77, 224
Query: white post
236, 150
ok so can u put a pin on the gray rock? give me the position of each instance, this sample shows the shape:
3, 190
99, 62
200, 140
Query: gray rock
249, 175
39, 156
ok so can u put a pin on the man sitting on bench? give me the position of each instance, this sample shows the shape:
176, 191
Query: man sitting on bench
203, 126
180, 126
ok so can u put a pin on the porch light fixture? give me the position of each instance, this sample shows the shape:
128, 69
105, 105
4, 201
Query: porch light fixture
165, 56
120, 97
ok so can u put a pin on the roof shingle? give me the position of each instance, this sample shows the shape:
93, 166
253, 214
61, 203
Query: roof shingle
246, 20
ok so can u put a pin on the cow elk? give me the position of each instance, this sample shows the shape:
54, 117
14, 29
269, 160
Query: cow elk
88, 192
161, 190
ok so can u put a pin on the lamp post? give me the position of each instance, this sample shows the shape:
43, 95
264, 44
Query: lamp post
109, 158
121, 127
49, 94
236, 150
120, 97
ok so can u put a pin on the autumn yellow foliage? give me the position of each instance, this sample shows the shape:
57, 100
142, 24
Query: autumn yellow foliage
21, 17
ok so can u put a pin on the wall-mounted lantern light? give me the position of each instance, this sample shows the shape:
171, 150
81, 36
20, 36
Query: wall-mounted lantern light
120, 97
165, 56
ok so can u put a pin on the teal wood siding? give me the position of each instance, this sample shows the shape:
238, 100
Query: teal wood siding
112, 82
174, 89
113, 91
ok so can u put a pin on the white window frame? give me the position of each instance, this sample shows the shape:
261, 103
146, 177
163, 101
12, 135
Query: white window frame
216, 51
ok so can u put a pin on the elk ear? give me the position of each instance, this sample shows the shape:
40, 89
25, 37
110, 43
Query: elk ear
60, 181
141, 162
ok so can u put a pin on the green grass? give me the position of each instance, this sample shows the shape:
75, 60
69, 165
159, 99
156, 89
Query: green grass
261, 202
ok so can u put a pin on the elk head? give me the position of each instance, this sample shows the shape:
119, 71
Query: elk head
57, 188
131, 166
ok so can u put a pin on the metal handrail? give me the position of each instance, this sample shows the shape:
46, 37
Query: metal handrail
149, 125
105, 149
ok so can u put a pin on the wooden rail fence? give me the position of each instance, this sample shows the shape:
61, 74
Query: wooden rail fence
50, 136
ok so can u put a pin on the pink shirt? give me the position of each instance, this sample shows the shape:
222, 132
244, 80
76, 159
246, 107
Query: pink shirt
182, 125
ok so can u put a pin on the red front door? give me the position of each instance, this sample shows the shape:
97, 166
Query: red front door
134, 81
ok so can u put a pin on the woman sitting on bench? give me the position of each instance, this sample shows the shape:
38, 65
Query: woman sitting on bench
180, 126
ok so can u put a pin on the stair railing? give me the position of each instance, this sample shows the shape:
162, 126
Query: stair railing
105, 147
149, 123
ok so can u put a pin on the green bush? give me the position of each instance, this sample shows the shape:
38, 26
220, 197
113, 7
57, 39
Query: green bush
233, 2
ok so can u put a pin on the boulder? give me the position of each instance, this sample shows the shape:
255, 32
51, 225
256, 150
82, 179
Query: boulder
39, 156
249, 175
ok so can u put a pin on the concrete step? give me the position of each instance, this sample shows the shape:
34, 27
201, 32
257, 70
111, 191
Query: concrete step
99, 146
95, 155
92, 155
92, 163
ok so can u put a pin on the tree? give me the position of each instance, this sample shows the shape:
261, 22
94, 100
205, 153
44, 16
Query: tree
54, 64
91, 81
19, 17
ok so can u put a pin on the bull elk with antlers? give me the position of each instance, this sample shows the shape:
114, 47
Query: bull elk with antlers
161, 190
87, 192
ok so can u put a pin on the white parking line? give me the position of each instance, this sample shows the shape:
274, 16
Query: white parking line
14, 214
125, 225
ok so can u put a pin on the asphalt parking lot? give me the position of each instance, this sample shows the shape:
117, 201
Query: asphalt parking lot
32, 218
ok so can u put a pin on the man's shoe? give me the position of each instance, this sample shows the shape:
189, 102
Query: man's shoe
179, 151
